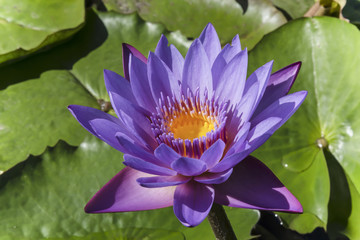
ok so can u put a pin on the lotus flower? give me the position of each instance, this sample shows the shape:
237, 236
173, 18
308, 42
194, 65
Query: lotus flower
187, 126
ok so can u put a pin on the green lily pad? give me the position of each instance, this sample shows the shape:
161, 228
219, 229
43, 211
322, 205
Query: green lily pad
33, 115
295, 8
44, 197
128, 234
328, 49
227, 16
121, 28
28, 25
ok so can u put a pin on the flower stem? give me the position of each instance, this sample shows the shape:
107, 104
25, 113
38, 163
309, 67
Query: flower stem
220, 224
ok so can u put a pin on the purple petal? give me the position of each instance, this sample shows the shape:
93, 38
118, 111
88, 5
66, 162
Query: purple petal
243, 110
135, 118
137, 150
214, 178
188, 166
230, 161
257, 136
211, 42
197, 72
140, 84
213, 154
253, 185
162, 181
235, 43
147, 167
119, 85
162, 80
85, 115
260, 77
128, 50
106, 131
192, 203
279, 85
239, 139
232, 80
171, 56
283, 108
166, 154
122, 194
224, 57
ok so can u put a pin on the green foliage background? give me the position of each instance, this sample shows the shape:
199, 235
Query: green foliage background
52, 54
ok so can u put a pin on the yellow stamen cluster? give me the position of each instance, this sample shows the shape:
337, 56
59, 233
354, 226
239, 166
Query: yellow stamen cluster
192, 126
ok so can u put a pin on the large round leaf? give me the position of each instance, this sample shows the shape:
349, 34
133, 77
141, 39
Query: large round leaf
28, 25
227, 16
120, 29
44, 198
33, 115
329, 50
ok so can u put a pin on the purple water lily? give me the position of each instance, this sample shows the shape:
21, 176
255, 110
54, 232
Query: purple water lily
187, 126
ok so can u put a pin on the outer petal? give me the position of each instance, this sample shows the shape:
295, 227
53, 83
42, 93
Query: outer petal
147, 167
278, 85
257, 136
127, 51
232, 80
230, 161
162, 181
162, 80
192, 203
242, 112
214, 178
253, 185
197, 72
122, 194
188, 166
283, 108
140, 84
224, 57
117, 84
212, 155
239, 140
85, 115
166, 154
137, 150
171, 57
261, 77
135, 118
211, 42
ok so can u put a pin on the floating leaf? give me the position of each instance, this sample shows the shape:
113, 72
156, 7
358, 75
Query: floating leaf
28, 25
227, 16
34, 115
328, 49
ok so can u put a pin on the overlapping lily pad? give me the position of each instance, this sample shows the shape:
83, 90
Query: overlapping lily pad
329, 117
227, 16
28, 25
295, 8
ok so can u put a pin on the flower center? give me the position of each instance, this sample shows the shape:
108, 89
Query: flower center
191, 126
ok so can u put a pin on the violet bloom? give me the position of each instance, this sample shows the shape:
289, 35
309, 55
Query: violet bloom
186, 128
